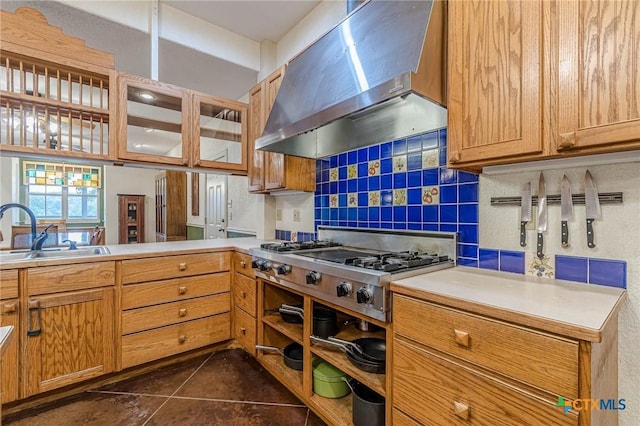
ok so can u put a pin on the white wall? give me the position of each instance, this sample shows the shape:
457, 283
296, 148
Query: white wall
129, 180
8, 169
617, 236
289, 203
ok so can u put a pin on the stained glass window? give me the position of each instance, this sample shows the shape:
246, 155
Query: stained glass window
37, 173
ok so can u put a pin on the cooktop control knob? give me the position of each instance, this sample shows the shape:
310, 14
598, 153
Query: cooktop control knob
264, 266
344, 289
313, 277
255, 263
364, 295
283, 269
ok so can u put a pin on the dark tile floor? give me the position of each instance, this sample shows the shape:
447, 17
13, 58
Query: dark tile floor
224, 388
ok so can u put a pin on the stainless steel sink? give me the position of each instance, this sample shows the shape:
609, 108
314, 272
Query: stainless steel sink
54, 254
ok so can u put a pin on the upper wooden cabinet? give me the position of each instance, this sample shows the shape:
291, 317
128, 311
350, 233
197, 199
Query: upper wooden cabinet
515, 65
495, 71
270, 171
166, 124
55, 92
598, 77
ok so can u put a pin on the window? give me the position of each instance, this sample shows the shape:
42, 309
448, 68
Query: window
63, 191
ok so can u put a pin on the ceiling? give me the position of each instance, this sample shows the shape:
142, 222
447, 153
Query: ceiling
255, 19
178, 64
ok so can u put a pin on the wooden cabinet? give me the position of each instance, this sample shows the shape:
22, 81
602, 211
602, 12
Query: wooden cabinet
465, 366
69, 334
597, 76
166, 124
273, 331
9, 315
245, 302
269, 171
130, 219
515, 65
56, 92
495, 73
173, 304
171, 206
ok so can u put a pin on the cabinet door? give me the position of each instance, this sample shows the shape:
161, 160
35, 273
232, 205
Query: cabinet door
598, 75
69, 338
219, 133
274, 175
494, 101
151, 121
9, 314
256, 125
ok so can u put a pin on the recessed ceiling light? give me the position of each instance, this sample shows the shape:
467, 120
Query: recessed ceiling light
146, 96
138, 145
148, 130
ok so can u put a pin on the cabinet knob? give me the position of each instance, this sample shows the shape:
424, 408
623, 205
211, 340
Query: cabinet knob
182, 312
182, 266
567, 140
243, 294
461, 410
9, 308
243, 330
461, 337
243, 264
454, 157
182, 338
182, 290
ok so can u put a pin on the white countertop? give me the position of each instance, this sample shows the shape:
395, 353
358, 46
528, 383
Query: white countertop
5, 335
583, 308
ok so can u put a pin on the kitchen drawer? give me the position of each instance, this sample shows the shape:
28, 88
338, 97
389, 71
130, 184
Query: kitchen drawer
401, 419
8, 283
242, 263
140, 319
244, 294
150, 345
160, 268
436, 391
55, 279
138, 295
541, 360
244, 330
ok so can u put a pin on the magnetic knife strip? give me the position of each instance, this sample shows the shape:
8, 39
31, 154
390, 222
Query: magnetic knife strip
577, 199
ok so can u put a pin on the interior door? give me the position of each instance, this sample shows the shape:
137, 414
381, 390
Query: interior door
217, 207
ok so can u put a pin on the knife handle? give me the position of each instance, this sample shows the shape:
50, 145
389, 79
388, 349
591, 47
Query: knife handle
523, 234
539, 246
565, 234
590, 242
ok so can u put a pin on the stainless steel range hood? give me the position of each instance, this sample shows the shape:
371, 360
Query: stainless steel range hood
375, 77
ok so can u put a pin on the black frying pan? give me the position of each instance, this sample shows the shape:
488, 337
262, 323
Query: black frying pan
292, 354
293, 314
363, 361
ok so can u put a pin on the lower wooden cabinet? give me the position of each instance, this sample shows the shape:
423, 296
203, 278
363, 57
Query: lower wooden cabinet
438, 391
69, 338
157, 343
244, 330
245, 303
9, 315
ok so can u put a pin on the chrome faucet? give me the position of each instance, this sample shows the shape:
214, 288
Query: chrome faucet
32, 217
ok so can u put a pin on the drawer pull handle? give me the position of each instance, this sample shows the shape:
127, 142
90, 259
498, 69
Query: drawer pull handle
461, 337
243, 264
461, 410
243, 294
182, 290
182, 266
182, 338
34, 310
9, 308
182, 312
243, 330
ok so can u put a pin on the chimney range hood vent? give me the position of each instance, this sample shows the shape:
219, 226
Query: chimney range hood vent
377, 76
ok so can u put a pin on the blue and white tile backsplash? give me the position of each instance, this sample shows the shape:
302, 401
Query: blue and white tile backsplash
404, 184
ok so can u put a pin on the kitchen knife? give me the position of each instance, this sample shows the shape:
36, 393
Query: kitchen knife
542, 214
525, 213
592, 203
566, 209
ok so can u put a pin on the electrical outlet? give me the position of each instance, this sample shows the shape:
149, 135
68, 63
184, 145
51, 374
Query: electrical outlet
296, 215
278, 214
